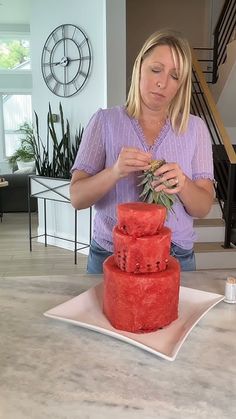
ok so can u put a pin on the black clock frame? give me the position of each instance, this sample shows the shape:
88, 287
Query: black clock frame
57, 36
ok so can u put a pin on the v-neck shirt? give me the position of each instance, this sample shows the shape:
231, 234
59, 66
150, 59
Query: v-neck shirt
158, 140
111, 129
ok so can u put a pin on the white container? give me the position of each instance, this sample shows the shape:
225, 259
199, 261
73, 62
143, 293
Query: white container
26, 165
230, 290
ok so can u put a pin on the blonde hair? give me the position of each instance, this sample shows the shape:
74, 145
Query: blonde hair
179, 108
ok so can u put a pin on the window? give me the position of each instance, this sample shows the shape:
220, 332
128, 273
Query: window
15, 86
16, 110
14, 53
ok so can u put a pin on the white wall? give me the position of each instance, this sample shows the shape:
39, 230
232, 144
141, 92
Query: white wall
232, 133
116, 51
15, 11
104, 87
191, 17
78, 108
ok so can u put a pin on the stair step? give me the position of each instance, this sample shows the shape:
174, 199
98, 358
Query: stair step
213, 247
213, 255
209, 222
209, 230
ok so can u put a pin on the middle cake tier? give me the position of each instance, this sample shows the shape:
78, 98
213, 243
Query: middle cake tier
142, 254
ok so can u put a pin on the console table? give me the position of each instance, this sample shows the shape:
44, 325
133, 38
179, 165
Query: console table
54, 189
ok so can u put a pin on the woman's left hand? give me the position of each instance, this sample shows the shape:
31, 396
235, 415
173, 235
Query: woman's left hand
173, 175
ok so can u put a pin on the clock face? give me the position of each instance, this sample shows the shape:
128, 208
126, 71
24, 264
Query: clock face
66, 60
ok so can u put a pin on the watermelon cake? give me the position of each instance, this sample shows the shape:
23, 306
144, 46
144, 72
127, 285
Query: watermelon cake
141, 279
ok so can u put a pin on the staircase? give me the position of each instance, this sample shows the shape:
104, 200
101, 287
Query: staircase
209, 250
210, 237
224, 90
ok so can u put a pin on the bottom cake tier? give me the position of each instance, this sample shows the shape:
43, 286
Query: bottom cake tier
141, 303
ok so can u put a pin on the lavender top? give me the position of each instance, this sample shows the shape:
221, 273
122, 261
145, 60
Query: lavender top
111, 129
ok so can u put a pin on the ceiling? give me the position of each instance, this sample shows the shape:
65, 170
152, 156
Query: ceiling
15, 11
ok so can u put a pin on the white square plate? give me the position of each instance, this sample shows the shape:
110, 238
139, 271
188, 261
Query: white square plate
85, 310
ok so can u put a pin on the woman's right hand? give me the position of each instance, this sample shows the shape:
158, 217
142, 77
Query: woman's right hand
86, 190
131, 160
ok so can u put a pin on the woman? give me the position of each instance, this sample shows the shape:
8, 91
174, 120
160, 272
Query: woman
155, 123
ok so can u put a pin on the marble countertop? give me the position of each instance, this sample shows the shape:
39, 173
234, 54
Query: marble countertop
51, 369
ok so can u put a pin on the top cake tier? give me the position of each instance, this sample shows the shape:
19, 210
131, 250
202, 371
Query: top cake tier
140, 219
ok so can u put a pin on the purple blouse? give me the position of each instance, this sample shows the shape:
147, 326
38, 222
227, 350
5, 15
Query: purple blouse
111, 129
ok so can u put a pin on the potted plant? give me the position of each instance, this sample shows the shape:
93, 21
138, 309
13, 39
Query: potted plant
24, 156
55, 157
53, 160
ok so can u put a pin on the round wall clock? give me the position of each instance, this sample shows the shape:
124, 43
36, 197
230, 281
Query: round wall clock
66, 60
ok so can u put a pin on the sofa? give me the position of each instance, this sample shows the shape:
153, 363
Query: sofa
14, 197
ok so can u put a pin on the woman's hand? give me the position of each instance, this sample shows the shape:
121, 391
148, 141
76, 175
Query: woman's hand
172, 178
131, 160
86, 190
196, 195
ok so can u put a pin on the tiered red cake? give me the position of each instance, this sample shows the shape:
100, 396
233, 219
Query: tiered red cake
141, 279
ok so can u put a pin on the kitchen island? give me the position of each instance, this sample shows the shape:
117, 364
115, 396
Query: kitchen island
51, 369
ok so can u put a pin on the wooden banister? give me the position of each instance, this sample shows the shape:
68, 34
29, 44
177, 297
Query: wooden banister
214, 111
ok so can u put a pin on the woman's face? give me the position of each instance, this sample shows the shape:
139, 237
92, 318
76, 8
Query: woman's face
158, 79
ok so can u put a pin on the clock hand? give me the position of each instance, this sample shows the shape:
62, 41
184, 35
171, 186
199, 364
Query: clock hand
50, 63
64, 62
64, 46
78, 59
74, 59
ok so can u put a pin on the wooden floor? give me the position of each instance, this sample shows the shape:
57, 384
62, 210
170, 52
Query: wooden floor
16, 258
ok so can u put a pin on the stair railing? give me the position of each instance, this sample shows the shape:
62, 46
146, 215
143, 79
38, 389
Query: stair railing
203, 105
223, 32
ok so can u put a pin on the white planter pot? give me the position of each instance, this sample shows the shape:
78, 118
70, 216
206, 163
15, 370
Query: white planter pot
26, 165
